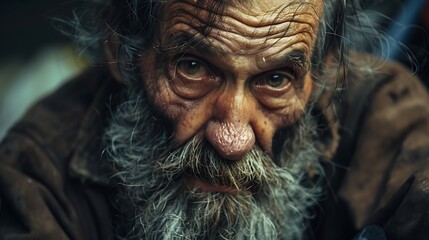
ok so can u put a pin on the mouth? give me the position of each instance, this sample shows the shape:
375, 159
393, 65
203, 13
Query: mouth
209, 187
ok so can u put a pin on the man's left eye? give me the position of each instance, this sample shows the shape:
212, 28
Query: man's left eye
273, 80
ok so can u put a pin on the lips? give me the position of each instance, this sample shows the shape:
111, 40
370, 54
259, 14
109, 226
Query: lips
208, 187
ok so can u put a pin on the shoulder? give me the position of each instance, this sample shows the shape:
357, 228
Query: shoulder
391, 141
37, 196
53, 122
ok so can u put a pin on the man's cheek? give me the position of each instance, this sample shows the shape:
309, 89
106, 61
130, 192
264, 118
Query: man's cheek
186, 117
190, 117
156, 84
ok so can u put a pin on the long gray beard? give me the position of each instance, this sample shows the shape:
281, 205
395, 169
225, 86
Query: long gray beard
270, 203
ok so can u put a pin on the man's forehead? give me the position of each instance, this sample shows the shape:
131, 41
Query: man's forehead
270, 10
248, 24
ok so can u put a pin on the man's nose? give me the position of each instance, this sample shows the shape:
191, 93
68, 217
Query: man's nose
230, 131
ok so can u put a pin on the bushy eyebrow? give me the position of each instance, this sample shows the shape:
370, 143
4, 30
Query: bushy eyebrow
296, 58
181, 42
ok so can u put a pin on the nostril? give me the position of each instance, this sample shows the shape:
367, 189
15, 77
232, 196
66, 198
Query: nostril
231, 141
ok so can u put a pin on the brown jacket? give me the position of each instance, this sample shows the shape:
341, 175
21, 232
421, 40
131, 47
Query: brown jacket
54, 184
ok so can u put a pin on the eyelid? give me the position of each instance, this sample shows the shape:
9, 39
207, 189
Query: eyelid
190, 57
186, 55
175, 60
181, 57
187, 86
284, 72
264, 91
210, 64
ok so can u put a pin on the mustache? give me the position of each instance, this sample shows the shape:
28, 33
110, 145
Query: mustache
198, 159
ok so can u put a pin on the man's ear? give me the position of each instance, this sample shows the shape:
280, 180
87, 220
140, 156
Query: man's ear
111, 46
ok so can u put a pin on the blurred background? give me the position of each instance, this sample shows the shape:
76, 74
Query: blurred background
35, 58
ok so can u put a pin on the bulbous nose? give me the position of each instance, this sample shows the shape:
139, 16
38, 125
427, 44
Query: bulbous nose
229, 130
231, 140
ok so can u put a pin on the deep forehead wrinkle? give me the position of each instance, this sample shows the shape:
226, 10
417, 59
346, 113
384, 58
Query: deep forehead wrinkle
249, 27
298, 11
216, 5
258, 17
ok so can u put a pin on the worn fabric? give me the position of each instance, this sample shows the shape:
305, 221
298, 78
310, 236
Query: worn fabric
381, 163
52, 182
55, 185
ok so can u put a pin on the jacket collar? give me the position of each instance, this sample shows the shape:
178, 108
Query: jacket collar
87, 161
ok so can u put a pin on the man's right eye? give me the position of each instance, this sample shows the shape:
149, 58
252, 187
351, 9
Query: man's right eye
192, 69
191, 77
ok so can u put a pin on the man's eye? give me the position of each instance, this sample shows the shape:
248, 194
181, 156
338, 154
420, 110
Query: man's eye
274, 80
191, 68
191, 78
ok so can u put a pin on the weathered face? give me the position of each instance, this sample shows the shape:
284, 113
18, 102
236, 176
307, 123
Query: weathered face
241, 82
226, 92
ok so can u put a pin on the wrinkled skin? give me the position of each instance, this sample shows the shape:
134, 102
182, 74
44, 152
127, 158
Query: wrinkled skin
249, 77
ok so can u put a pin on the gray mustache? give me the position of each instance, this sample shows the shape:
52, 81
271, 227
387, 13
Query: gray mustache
198, 159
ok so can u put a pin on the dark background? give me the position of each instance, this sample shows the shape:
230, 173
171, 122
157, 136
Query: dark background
27, 25
35, 58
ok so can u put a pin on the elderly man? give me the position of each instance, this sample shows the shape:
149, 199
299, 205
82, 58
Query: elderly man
235, 119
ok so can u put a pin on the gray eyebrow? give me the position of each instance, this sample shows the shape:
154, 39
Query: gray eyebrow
183, 41
297, 58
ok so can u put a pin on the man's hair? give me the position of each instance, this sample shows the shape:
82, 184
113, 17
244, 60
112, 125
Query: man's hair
344, 27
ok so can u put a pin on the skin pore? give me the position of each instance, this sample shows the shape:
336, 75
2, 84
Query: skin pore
241, 82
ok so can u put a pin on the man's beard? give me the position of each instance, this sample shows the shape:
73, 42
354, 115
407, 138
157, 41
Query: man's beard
271, 199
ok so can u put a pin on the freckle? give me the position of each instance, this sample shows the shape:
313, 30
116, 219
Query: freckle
265, 122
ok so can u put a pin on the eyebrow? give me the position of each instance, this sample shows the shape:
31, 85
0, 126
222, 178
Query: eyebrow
184, 41
296, 58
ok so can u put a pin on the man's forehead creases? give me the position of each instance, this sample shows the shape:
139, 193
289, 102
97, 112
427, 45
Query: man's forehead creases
253, 15
251, 29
